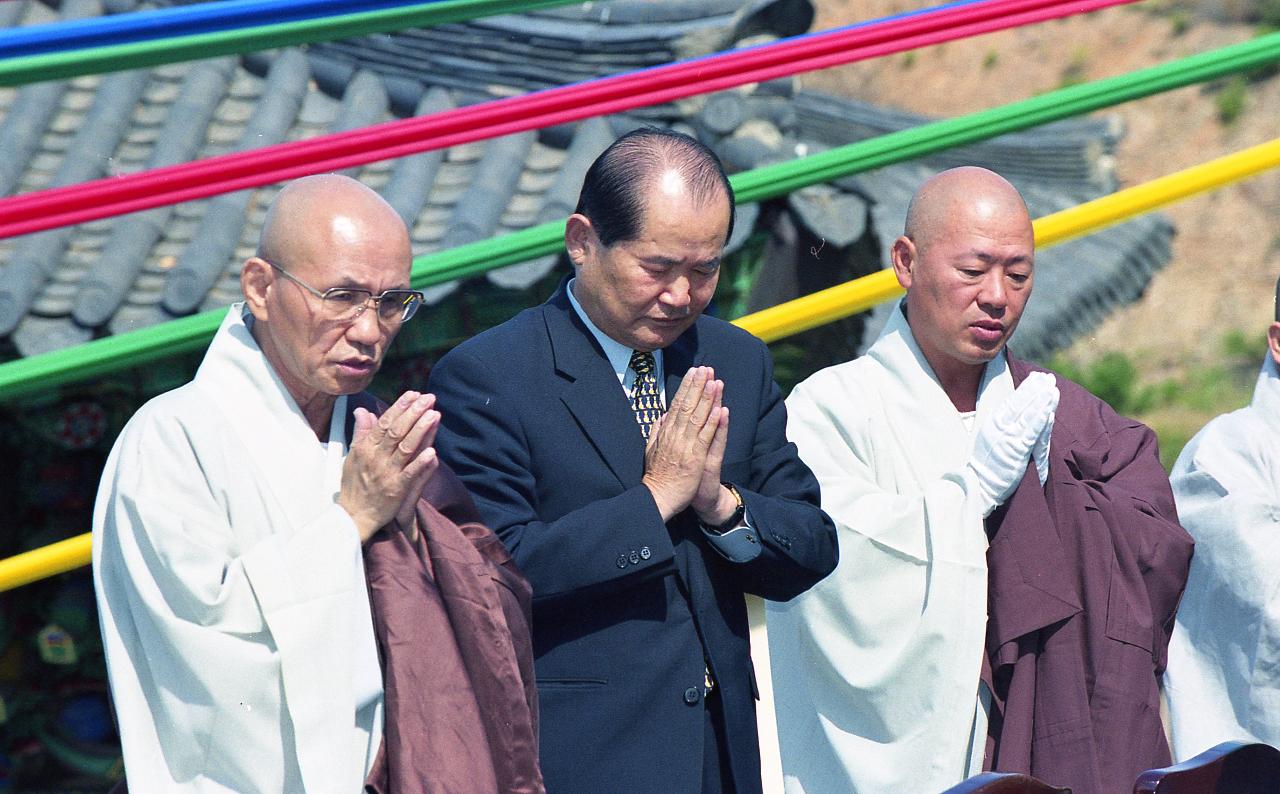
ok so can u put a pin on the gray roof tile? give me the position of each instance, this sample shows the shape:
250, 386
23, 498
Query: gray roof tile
66, 286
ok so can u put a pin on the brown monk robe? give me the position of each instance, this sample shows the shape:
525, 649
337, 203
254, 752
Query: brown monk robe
1085, 577
451, 614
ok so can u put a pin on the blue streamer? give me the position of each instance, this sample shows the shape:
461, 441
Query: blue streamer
172, 22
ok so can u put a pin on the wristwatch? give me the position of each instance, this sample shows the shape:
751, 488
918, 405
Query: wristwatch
738, 512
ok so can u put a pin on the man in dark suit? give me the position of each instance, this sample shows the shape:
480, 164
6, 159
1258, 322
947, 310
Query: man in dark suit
639, 527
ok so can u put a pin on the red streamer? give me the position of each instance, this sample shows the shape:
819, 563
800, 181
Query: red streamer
103, 198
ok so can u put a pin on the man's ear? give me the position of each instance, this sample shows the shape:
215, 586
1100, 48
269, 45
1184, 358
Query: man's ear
580, 238
1273, 342
256, 281
905, 256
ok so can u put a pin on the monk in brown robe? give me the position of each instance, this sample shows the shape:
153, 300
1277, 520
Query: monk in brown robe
1010, 554
296, 594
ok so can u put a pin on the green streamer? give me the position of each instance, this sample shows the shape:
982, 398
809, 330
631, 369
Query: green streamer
137, 55
132, 349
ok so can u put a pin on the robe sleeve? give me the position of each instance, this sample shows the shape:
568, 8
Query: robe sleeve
915, 527
173, 532
1126, 494
1221, 680
861, 650
1227, 499
209, 623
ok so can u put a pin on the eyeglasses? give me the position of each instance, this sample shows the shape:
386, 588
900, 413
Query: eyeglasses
344, 304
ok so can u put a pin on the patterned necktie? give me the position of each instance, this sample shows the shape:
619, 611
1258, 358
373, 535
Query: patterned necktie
647, 404
645, 400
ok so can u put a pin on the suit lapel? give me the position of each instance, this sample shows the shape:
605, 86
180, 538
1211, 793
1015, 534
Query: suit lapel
591, 391
677, 359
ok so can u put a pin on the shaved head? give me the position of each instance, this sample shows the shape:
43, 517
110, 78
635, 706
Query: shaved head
965, 259
956, 195
312, 214
321, 234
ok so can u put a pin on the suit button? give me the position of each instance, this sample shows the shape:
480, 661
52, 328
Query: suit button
645, 553
622, 561
635, 557
751, 538
692, 695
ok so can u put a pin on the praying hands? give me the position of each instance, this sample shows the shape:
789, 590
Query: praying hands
686, 449
390, 462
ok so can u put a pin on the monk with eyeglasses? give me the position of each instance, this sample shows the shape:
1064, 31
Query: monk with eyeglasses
296, 594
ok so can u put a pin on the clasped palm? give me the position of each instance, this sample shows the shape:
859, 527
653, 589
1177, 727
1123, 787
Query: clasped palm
390, 461
1017, 432
685, 450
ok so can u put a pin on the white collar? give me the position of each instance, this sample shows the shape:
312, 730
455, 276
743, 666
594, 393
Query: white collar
619, 355
304, 474
932, 416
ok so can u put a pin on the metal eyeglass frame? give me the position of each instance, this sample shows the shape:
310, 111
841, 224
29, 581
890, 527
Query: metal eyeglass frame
410, 308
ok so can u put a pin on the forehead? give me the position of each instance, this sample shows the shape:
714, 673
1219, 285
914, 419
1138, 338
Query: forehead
995, 237
368, 261
678, 218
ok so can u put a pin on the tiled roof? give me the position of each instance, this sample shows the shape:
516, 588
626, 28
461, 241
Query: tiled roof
67, 286
1078, 283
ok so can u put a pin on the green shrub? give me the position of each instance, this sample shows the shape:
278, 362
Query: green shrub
1269, 14
1230, 100
1242, 348
1113, 378
1074, 73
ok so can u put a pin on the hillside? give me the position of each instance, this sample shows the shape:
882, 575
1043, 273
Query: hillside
1195, 339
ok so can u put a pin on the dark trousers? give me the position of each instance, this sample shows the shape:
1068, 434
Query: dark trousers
717, 775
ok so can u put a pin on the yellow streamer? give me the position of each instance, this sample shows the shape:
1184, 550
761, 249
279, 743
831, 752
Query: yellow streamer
860, 294
32, 566
834, 303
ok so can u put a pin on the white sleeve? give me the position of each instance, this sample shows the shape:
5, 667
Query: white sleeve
876, 668
1222, 681
210, 638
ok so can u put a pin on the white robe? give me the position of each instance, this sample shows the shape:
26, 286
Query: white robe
876, 669
1223, 676
234, 611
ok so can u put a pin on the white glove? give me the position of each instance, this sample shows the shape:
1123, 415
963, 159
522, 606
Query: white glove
1006, 441
1040, 452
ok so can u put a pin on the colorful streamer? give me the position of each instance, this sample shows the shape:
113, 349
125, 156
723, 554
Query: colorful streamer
122, 351
831, 304
118, 195
169, 23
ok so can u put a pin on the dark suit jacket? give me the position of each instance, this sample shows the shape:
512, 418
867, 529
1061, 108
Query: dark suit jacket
541, 433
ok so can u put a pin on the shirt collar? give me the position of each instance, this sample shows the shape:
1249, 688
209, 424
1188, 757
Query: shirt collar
619, 355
